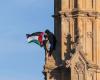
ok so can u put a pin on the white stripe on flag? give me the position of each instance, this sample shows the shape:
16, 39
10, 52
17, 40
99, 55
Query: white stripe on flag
32, 38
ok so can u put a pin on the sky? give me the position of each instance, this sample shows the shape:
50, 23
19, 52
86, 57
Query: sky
18, 59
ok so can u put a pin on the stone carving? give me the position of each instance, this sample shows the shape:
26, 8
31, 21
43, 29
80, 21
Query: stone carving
79, 66
89, 34
80, 69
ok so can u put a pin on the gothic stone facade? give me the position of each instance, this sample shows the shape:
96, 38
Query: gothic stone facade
77, 30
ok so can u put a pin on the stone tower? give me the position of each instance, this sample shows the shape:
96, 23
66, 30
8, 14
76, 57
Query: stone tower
77, 30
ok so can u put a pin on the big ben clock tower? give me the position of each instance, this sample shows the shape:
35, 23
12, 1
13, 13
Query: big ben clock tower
77, 30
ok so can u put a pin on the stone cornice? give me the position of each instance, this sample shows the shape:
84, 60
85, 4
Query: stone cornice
77, 13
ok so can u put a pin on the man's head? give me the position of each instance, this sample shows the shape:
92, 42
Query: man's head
47, 31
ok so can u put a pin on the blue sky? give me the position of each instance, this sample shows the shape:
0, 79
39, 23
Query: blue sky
18, 59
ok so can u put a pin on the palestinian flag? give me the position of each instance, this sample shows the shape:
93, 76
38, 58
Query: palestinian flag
36, 37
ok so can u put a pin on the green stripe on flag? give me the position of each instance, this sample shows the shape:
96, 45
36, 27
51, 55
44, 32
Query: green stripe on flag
35, 41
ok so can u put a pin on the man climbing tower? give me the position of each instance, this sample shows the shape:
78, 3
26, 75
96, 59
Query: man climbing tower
49, 36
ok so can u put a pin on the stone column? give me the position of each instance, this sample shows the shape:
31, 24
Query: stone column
61, 25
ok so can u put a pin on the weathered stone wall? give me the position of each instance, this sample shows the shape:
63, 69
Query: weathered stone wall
76, 23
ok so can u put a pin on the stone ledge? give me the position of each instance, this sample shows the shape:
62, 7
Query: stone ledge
77, 13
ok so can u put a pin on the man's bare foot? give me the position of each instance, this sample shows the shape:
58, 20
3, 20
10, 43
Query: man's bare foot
68, 63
